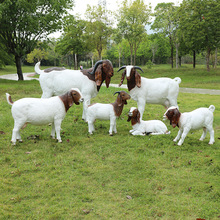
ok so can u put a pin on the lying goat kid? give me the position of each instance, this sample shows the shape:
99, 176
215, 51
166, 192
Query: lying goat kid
140, 127
199, 118
42, 111
107, 112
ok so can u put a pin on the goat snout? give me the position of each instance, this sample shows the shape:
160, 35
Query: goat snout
130, 114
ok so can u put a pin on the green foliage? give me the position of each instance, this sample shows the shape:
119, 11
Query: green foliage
132, 19
23, 23
36, 55
98, 29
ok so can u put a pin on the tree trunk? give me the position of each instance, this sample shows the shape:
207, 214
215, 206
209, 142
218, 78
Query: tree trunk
194, 59
75, 61
216, 57
207, 59
180, 61
171, 55
177, 56
131, 56
18, 66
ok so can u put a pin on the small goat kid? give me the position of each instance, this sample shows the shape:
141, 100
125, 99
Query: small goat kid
38, 111
140, 127
107, 112
199, 118
57, 81
162, 91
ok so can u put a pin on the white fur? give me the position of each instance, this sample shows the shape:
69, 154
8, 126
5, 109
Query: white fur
162, 91
197, 119
106, 112
59, 82
154, 127
37, 111
102, 112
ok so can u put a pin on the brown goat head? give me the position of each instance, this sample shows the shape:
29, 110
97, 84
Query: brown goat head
173, 115
134, 116
71, 97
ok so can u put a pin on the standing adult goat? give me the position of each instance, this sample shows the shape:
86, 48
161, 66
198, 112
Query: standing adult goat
57, 81
162, 91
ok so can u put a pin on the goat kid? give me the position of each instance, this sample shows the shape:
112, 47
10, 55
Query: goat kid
57, 81
38, 111
140, 127
107, 112
199, 118
162, 91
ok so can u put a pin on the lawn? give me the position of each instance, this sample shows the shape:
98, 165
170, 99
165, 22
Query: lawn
110, 177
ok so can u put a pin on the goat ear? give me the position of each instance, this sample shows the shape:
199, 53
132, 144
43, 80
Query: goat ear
98, 76
129, 118
137, 79
175, 119
138, 117
122, 78
70, 99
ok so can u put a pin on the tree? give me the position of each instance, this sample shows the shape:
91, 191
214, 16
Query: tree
98, 29
200, 25
73, 39
23, 23
132, 19
165, 22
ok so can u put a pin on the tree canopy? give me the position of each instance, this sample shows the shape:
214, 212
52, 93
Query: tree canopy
23, 23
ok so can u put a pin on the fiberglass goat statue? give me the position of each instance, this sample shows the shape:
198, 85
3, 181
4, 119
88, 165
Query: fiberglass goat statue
162, 91
140, 127
199, 118
42, 112
57, 81
107, 112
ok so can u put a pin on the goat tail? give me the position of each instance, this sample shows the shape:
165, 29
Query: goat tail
37, 68
9, 100
212, 108
177, 79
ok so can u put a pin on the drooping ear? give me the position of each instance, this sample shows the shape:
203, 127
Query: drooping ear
70, 99
129, 118
137, 79
98, 76
175, 119
122, 78
138, 116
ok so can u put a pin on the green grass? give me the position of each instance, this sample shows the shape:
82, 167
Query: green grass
102, 177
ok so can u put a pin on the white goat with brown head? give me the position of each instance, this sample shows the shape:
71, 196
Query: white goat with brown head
107, 112
197, 119
162, 91
57, 81
38, 111
140, 127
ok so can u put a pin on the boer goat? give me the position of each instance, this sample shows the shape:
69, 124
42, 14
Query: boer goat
199, 118
107, 112
42, 111
140, 127
162, 91
57, 81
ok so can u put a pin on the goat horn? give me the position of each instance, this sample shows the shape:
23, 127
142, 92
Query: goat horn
96, 65
123, 67
137, 67
116, 92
